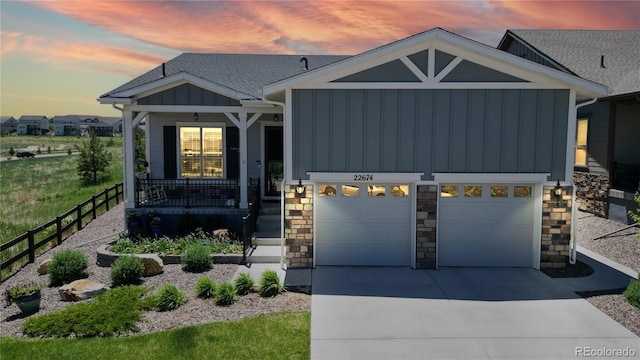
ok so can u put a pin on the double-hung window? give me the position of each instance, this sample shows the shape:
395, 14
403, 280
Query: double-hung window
201, 152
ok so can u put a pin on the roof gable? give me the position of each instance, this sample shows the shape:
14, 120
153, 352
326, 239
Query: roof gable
607, 57
450, 61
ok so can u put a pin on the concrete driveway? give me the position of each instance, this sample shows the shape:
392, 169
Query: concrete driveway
455, 313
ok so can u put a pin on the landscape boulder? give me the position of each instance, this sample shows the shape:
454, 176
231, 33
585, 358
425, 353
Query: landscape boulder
81, 290
44, 267
153, 264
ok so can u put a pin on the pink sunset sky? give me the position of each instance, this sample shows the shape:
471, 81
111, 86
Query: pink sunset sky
57, 57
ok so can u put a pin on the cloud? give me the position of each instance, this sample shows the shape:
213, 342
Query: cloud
77, 55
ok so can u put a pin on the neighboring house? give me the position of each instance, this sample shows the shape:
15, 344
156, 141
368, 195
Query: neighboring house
66, 125
33, 125
434, 150
8, 125
95, 124
114, 122
607, 153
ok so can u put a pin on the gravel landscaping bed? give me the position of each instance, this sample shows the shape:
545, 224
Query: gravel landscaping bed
195, 311
621, 247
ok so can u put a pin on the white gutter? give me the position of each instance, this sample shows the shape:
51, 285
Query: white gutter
574, 206
284, 180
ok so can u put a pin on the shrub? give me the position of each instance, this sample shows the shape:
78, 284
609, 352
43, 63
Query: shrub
67, 266
244, 284
196, 258
127, 270
225, 294
632, 294
205, 288
113, 312
170, 298
270, 284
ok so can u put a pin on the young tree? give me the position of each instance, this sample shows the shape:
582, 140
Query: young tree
93, 158
140, 152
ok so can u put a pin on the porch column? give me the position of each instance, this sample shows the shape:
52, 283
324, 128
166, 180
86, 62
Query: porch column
129, 155
244, 203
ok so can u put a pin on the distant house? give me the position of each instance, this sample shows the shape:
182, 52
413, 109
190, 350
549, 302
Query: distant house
95, 124
114, 122
66, 125
607, 150
8, 125
33, 125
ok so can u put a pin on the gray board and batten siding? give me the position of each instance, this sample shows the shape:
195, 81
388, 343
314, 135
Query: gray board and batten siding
187, 94
430, 131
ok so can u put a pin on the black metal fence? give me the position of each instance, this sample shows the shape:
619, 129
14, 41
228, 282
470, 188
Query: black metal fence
626, 177
58, 229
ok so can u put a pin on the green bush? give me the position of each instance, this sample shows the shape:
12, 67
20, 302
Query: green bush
632, 294
225, 294
196, 258
170, 298
205, 288
114, 312
127, 270
67, 266
244, 284
270, 284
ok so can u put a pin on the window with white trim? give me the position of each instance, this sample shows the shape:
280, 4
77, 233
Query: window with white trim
201, 152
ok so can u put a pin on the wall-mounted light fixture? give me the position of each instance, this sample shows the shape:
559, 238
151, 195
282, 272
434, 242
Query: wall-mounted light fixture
300, 189
276, 118
557, 191
196, 117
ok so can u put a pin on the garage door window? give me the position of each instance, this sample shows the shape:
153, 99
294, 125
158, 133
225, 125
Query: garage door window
447, 191
473, 191
377, 190
522, 191
351, 190
500, 191
400, 190
327, 190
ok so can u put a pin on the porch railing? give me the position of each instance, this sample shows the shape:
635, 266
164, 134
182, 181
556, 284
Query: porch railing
188, 193
626, 177
250, 220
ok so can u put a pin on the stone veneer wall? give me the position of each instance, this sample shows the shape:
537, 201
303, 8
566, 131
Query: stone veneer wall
556, 228
592, 192
426, 216
298, 232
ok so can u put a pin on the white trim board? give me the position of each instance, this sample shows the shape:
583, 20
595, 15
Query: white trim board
482, 178
368, 177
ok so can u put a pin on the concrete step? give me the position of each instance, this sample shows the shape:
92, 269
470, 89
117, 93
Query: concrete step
268, 226
264, 254
266, 241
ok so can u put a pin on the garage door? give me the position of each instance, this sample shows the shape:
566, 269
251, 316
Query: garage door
486, 225
362, 224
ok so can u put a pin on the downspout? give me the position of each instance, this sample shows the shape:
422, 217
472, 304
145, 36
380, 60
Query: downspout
574, 212
284, 174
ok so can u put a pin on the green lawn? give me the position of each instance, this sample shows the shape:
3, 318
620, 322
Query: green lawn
273, 336
34, 191
57, 144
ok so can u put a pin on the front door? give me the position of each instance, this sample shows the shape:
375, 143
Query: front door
273, 156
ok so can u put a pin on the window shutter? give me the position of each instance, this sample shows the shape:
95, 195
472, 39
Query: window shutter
233, 152
170, 160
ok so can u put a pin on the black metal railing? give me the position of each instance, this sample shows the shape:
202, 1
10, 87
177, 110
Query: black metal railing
249, 222
626, 177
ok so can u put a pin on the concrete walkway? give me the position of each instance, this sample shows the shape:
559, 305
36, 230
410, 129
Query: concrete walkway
455, 313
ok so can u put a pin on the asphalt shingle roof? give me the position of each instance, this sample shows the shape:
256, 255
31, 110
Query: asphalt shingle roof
580, 51
246, 73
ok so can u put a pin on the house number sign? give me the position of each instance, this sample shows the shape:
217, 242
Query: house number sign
362, 177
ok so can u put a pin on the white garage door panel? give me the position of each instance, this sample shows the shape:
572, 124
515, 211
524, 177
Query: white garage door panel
363, 230
485, 231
